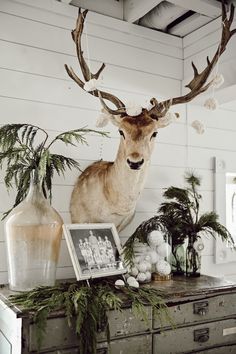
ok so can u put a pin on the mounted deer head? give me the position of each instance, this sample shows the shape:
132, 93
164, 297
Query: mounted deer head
108, 191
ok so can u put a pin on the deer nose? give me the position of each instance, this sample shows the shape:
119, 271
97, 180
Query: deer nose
135, 165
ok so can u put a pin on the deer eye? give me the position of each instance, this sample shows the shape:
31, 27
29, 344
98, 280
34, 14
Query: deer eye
122, 133
154, 135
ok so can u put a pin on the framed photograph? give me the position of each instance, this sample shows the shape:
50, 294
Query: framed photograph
94, 249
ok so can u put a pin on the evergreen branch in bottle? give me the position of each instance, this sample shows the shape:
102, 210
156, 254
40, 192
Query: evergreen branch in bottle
21, 153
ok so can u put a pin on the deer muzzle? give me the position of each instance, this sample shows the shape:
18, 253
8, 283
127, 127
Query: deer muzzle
135, 165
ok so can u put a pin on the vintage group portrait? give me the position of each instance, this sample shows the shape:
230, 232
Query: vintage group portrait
95, 250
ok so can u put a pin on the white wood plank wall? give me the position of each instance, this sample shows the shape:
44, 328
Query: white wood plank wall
35, 43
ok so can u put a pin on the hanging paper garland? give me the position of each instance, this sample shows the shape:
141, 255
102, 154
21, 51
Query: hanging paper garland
198, 126
211, 104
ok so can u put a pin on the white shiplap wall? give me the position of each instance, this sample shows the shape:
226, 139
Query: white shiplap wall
34, 45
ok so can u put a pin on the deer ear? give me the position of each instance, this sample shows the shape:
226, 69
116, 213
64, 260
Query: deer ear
169, 118
116, 120
104, 118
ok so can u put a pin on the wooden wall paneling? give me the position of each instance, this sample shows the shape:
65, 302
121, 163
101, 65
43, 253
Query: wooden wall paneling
49, 11
219, 119
51, 38
3, 258
35, 43
49, 63
213, 138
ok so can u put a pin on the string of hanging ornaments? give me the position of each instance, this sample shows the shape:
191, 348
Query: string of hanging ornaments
134, 109
211, 102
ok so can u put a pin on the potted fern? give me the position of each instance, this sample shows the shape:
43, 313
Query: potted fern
33, 228
181, 218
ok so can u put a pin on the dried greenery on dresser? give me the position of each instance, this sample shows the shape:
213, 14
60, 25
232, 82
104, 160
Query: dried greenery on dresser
25, 148
88, 306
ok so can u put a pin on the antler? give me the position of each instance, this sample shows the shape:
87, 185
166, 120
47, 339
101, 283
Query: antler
199, 83
87, 74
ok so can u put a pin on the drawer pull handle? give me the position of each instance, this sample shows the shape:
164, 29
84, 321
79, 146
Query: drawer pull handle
201, 308
201, 335
202, 312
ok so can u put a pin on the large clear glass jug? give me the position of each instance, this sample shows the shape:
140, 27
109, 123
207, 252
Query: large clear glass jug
33, 236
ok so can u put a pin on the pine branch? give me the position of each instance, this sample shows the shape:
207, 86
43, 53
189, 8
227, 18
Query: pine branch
21, 155
89, 306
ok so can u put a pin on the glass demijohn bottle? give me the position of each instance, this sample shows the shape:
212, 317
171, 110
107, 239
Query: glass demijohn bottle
33, 237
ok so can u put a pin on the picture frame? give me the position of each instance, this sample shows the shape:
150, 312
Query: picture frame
95, 250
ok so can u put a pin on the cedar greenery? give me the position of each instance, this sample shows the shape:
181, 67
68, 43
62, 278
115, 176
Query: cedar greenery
179, 217
180, 214
86, 307
25, 148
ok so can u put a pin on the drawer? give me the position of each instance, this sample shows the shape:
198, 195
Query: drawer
200, 311
125, 323
133, 345
228, 349
195, 338
59, 335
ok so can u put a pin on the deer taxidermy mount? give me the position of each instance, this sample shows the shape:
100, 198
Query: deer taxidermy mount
108, 191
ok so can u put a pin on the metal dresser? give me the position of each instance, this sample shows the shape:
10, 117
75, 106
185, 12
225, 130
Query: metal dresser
203, 310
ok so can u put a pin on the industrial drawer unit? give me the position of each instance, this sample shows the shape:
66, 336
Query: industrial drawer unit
203, 310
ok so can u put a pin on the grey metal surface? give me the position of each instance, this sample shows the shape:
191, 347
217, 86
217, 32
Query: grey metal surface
181, 286
58, 334
134, 345
202, 308
190, 339
228, 349
206, 309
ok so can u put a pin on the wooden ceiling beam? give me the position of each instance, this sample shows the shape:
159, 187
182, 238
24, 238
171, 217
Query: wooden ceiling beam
112, 8
209, 8
135, 9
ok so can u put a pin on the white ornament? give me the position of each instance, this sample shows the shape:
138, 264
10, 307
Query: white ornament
198, 245
163, 268
211, 104
169, 118
154, 257
164, 250
148, 265
91, 85
147, 258
141, 277
155, 238
218, 80
148, 275
134, 284
198, 126
119, 282
133, 109
142, 267
134, 271
130, 280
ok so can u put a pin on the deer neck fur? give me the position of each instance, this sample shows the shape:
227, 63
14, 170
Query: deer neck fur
125, 182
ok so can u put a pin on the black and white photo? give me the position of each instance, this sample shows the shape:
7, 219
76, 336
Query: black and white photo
94, 249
